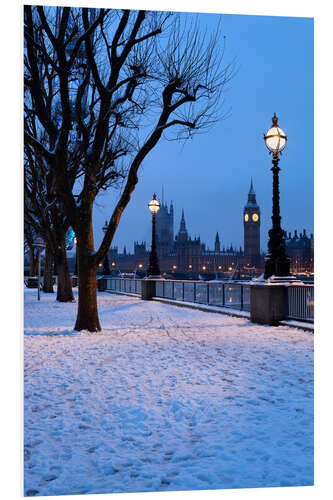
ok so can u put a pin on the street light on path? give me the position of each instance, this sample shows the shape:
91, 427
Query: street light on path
276, 261
75, 268
106, 265
153, 269
40, 245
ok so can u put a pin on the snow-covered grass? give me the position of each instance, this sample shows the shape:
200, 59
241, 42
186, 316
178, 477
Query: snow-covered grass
164, 398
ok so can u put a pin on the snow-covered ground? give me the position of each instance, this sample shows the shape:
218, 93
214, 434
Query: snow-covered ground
164, 398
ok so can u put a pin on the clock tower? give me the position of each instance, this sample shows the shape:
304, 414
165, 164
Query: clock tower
251, 220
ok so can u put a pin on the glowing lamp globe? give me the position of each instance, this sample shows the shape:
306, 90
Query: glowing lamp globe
154, 205
275, 138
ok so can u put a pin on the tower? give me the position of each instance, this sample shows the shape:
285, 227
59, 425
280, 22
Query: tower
182, 236
217, 247
164, 229
251, 220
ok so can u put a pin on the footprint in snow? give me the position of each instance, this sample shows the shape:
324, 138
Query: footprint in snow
32, 493
47, 479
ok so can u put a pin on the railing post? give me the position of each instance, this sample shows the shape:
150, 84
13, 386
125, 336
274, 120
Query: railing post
223, 295
242, 297
163, 289
194, 292
183, 291
287, 303
173, 290
207, 293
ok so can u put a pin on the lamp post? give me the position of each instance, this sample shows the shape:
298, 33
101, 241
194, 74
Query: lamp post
39, 244
75, 268
106, 265
276, 261
153, 269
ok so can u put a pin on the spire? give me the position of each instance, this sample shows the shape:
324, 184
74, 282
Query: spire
251, 198
182, 228
182, 234
251, 188
217, 246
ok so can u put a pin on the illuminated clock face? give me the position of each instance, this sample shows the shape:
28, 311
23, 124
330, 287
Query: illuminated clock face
255, 217
246, 217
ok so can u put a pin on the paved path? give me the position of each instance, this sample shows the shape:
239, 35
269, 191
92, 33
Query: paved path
163, 398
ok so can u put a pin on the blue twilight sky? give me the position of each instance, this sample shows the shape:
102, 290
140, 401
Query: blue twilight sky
210, 175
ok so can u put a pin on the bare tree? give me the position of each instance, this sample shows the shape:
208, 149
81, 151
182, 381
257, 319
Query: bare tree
29, 237
124, 79
44, 217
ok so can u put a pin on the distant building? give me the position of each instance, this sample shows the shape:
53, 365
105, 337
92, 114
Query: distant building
182, 254
299, 248
188, 250
164, 229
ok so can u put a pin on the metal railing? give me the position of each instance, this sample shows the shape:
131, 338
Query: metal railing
233, 295
125, 285
223, 294
300, 302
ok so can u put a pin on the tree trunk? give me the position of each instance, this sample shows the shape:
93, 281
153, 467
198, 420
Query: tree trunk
48, 274
87, 314
33, 262
64, 291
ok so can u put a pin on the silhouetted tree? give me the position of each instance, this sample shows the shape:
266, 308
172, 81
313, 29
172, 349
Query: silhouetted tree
29, 236
44, 216
119, 81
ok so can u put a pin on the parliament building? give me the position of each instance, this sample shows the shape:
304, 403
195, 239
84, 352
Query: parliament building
182, 256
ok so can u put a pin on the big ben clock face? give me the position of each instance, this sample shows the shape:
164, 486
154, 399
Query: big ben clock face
246, 217
255, 217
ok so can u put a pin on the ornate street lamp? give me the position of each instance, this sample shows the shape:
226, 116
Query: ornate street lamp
276, 261
153, 269
106, 265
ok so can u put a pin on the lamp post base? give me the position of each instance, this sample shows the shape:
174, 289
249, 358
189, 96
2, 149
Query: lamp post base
278, 266
148, 289
283, 280
268, 303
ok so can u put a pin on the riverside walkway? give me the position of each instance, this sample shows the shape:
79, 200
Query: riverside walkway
163, 398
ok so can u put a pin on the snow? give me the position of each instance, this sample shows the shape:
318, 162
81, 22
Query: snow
203, 307
164, 398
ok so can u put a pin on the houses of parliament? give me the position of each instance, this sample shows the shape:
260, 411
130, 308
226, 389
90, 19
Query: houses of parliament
180, 255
